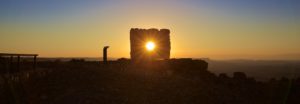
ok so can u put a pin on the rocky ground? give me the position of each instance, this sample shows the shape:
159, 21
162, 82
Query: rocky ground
117, 83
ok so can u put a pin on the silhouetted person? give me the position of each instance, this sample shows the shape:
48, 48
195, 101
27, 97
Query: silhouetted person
105, 54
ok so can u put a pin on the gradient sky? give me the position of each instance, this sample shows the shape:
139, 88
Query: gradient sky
217, 29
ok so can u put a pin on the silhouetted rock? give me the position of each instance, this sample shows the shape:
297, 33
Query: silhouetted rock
223, 76
139, 38
239, 75
284, 79
123, 59
77, 60
189, 67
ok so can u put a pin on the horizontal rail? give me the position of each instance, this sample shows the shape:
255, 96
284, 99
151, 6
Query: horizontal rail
13, 54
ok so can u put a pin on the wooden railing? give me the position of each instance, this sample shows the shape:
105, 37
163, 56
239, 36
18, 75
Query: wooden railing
11, 57
12, 79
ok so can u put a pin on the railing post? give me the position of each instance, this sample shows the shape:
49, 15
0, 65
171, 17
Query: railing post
34, 62
18, 64
10, 64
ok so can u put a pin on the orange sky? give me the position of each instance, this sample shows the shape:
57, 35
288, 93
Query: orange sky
198, 29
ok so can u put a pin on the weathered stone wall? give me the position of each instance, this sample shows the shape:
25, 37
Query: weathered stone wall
139, 38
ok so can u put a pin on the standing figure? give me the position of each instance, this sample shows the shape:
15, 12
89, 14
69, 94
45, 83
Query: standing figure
105, 54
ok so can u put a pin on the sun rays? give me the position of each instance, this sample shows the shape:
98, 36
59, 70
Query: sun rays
150, 46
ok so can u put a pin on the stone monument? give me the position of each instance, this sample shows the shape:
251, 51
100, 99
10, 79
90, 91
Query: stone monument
160, 44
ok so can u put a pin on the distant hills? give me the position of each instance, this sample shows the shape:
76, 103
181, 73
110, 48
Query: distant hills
259, 69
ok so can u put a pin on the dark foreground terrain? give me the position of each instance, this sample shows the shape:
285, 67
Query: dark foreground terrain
181, 81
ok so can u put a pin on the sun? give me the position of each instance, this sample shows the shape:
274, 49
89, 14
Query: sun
150, 46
